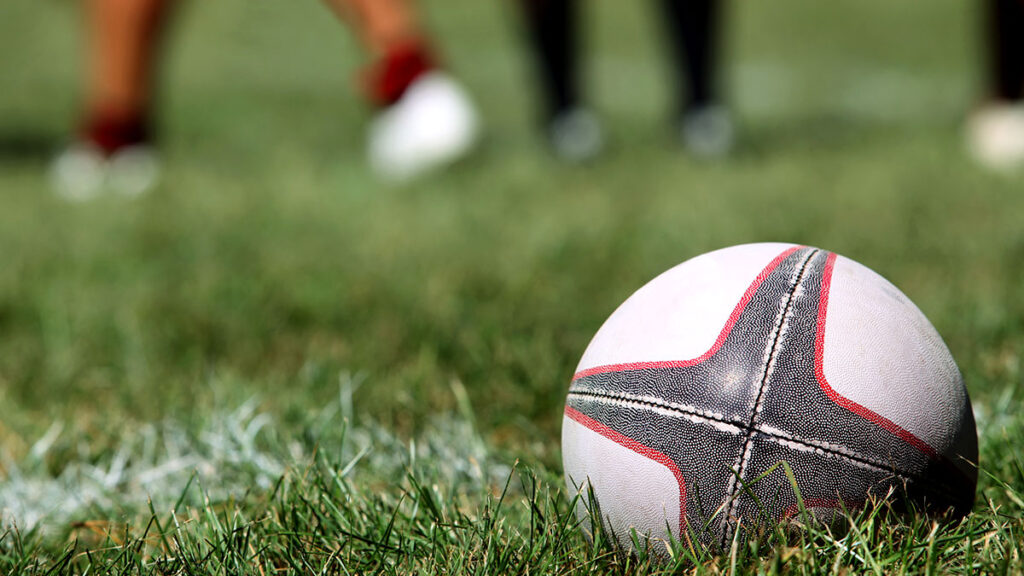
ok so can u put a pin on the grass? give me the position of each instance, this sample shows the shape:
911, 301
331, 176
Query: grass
275, 363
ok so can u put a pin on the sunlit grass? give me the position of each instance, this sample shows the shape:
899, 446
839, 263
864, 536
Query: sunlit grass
275, 364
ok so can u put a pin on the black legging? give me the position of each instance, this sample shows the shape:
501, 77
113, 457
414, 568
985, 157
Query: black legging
1006, 49
693, 34
692, 26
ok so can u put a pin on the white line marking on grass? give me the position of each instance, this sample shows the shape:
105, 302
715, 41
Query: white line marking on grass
228, 455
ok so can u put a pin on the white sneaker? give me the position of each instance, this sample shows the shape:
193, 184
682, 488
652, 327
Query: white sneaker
575, 135
78, 172
432, 125
81, 172
707, 132
995, 136
133, 170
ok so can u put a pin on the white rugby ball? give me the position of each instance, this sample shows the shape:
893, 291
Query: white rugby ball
705, 379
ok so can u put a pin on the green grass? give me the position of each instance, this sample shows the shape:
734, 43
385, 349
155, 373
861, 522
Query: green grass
316, 373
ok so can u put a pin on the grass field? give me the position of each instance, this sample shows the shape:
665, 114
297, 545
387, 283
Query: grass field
274, 363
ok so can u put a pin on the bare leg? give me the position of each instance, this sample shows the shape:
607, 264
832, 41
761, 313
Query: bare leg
109, 154
380, 24
123, 39
391, 33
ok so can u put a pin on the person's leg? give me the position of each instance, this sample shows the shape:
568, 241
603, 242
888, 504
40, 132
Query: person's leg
424, 118
379, 24
1005, 50
112, 146
551, 29
123, 39
995, 132
390, 32
552, 34
692, 28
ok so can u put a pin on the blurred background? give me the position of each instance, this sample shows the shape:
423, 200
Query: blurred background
270, 259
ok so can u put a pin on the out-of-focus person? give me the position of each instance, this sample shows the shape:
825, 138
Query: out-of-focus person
574, 133
423, 117
995, 131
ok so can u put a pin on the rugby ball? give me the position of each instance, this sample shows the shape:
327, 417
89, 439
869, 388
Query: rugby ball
704, 381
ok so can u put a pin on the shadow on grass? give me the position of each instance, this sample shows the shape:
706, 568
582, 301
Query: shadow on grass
27, 145
833, 131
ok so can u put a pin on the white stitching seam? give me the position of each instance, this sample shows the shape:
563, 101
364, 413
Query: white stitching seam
771, 354
774, 434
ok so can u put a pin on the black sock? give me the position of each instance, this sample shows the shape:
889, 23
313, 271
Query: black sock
1006, 49
692, 30
552, 33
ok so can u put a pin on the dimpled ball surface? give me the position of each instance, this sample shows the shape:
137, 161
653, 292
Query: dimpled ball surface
709, 376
